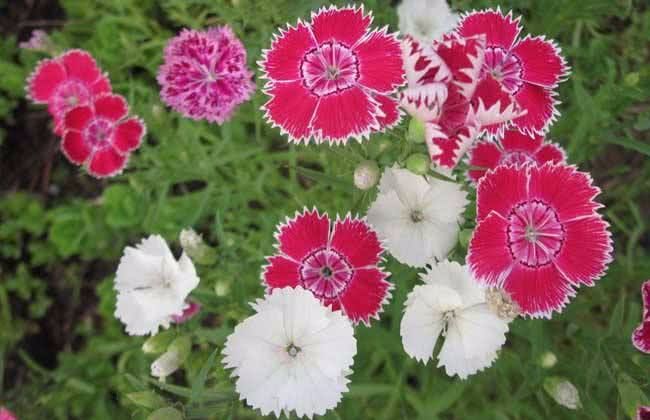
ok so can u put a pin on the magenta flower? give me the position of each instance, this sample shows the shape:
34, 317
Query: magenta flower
643, 413
333, 78
5, 414
641, 336
204, 75
539, 235
514, 148
189, 312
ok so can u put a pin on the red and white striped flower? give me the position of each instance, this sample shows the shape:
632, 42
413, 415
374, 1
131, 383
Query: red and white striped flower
539, 236
338, 261
513, 148
641, 336
527, 69
69, 80
101, 136
332, 78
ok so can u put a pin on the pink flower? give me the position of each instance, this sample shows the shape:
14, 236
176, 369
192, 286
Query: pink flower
204, 75
513, 148
69, 80
641, 336
539, 236
189, 312
5, 414
332, 78
643, 413
337, 261
100, 136
38, 41
528, 69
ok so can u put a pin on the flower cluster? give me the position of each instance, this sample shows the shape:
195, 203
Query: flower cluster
92, 121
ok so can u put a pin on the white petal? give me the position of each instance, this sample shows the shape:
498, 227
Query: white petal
453, 359
409, 187
144, 311
445, 201
155, 246
482, 331
426, 20
457, 277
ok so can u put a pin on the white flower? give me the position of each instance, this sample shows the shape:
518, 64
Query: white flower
189, 239
152, 286
293, 355
451, 304
418, 217
425, 20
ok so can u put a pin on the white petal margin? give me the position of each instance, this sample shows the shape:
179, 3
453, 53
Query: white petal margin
438, 204
425, 20
293, 354
152, 286
451, 304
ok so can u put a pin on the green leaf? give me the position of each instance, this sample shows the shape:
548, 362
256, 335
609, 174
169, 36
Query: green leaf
146, 399
198, 385
166, 413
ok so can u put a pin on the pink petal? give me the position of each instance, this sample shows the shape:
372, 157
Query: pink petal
541, 61
586, 250
291, 108
514, 140
112, 107
550, 152
569, 191
500, 190
356, 240
500, 31
349, 113
493, 105
78, 118
488, 255
283, 59
538, 291
44, 80
390, 108
380, 62
641, 338
81, 65
540, 107
367, 292
106, 162
464, 57
192, 309
74, 147
128, 135
346, 25
281, 272
643, 413
485, 155
5, 414
102, 85
645, 293
304, 234
446, 148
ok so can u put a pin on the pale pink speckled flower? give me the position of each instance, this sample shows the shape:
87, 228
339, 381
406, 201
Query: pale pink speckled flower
204, 74
39, 40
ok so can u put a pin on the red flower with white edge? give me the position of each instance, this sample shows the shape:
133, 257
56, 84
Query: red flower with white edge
527, 69
333, 78
539, 236
100, 136
641, 336
514, 148
69, 80
336, 260
441, 80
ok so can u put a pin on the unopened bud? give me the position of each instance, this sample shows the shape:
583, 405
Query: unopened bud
173, 358
418, 163
221, 288
147, 399
158, 343
366, 175
500, 302
563, 392
416, 132
194, 246
191, 309
547, 360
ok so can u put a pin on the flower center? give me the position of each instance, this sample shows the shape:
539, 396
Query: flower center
535, 234
69, 95
293, 350
417, 216
98, 132
504, 67
329, 69
326, 273
515, 158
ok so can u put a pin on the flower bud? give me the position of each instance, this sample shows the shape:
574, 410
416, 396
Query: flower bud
418, 163
366, 175
416, 132
158, 343
500, 302
221, 288
547, 360
563, 392
196, 248
146, 399
191, 309
172, 359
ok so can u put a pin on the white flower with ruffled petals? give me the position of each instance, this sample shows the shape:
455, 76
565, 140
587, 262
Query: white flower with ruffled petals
417, 216
152, 286
425, 20
453, 305
292, 355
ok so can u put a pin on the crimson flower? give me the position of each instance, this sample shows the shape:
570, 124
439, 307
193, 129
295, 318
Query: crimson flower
527, 69
337, 261
332, 78
69, 80
513, 148
641, 336
539, 236
100, 136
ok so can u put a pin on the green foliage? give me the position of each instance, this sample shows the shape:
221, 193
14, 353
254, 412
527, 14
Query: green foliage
233, 183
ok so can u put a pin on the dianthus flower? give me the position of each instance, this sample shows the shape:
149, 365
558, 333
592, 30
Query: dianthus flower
539, 236
337, 262
332, 78
643, 413
425, 20
513, 148
641, 336
204, 75
69, 80
527, 69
